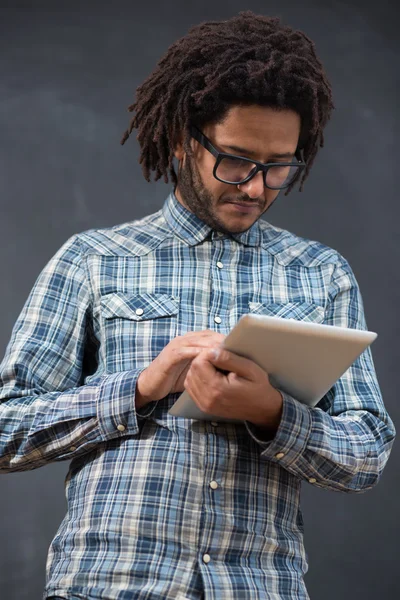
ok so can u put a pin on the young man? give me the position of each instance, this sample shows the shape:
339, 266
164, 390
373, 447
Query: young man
123, 319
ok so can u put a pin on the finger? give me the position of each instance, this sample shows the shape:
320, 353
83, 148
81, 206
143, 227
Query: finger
228, 361
206, 341
202, 332
185, 353
202, 335
203, 371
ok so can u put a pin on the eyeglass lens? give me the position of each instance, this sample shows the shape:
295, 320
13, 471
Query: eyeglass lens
235, 170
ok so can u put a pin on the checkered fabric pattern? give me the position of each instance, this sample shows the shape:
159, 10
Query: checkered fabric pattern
161, 507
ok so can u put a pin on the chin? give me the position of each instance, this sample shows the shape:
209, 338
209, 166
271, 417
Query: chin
238, 228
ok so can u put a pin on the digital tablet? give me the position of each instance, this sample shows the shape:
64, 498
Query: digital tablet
303, 359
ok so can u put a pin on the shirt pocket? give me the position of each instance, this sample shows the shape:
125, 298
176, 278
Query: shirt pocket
299, 311
136, 328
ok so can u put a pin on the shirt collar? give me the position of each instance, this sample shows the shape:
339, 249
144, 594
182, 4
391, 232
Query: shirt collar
192, 230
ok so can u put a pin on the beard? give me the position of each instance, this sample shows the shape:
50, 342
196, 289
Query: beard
200, 201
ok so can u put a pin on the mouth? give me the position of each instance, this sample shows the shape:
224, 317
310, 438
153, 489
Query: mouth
244, 207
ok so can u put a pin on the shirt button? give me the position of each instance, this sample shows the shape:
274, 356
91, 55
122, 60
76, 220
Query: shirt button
72, 449
219, 265
206, 558
312, 480
214, 423
213, 485
279, 455
121, 427
217, 319
139, 311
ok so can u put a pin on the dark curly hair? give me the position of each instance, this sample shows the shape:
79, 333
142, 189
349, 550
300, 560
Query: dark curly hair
248, 59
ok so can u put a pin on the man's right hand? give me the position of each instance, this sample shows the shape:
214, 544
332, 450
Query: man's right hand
167, 373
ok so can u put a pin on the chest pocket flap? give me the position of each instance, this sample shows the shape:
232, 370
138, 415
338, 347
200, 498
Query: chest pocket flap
300, 311
139, 307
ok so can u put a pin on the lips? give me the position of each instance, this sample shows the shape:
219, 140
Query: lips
245, 204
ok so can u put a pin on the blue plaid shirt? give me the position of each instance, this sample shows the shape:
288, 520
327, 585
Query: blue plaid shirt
161, 507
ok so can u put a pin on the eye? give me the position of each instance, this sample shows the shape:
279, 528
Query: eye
283, 160
237, 162
279, 167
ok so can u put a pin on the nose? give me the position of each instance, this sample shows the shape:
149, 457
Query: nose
253, 188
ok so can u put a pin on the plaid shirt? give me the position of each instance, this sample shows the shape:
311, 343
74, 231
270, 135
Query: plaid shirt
161, 507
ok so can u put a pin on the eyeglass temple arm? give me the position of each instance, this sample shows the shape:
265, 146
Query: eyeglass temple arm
203, 140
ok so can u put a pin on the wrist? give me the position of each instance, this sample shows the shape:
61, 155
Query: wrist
140, 398
270, 418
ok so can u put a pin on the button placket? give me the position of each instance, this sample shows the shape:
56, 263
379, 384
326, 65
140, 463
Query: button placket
215, 462
220, 257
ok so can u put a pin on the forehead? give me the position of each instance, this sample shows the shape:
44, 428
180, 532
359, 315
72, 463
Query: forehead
258, 128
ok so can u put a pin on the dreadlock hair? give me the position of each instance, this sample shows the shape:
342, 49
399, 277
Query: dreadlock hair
245, 60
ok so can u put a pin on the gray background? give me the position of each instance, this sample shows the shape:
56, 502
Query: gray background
67, 74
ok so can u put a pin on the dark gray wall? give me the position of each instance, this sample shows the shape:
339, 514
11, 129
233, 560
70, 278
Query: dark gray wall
67, 74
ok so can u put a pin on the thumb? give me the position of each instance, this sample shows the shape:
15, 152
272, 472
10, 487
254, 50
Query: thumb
228, 361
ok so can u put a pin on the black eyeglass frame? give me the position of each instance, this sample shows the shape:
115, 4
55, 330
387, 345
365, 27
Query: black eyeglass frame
264, 167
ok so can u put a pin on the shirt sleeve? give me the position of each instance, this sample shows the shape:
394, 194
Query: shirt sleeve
47, 412
344, 442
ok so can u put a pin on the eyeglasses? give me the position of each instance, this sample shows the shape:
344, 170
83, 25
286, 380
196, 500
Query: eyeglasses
236, 170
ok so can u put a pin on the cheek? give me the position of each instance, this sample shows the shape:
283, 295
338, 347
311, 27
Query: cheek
216, 188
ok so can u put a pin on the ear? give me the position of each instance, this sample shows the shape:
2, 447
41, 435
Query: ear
177, 143
179, 152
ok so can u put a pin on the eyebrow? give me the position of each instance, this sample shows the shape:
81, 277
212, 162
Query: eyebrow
244, 152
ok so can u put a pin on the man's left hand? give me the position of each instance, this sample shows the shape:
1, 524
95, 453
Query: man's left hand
244, 393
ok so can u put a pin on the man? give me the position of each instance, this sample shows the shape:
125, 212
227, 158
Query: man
123, 319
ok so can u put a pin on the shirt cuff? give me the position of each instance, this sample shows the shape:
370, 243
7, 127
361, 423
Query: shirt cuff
116, 412
291, 437
146, 410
